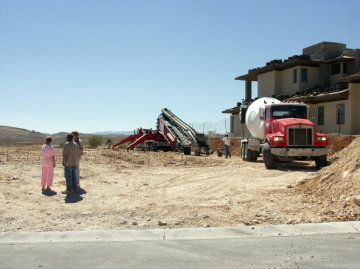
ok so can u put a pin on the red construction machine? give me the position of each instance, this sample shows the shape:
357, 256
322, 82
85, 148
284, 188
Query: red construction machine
171, 134
147, 139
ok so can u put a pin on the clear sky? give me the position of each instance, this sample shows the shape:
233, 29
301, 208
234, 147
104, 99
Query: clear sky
111, 65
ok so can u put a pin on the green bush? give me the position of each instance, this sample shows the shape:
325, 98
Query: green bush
95, 141
108, 142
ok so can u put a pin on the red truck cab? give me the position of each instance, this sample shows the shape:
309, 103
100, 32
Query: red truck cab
290, 134
287, 125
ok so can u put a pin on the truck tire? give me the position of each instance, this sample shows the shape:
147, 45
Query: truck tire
187, 150
320, 161
269, 159
243, 152
247, 153
255, 155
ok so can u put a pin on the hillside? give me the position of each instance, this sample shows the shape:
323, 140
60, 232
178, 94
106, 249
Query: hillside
13, 135
18, 136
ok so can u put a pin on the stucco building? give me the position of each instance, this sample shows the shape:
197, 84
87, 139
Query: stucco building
326, 76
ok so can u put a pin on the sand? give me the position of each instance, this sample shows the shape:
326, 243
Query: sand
141, 190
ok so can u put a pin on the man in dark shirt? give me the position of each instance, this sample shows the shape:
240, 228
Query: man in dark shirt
71, 152
77, 140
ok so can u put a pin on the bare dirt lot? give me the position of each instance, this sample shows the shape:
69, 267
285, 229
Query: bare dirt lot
140, 190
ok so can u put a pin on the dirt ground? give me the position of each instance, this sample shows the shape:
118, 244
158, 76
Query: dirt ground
140, 190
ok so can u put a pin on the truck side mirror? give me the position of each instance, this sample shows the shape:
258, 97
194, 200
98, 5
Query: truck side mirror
261, 114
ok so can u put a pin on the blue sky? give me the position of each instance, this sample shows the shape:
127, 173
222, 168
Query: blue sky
113, 65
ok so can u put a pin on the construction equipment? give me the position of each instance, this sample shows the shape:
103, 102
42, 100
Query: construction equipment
184, 134
172, 134
281, 132
147, 139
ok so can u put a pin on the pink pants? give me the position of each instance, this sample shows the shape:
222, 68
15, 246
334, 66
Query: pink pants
47, 176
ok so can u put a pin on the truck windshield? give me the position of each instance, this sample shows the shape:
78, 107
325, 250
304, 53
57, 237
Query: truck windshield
288, 111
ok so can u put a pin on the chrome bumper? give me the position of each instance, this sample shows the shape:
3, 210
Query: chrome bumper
299, 152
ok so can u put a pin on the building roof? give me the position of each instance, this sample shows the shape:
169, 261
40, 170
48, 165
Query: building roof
321, 97
355, 78
340, 59
278, 65
234, 110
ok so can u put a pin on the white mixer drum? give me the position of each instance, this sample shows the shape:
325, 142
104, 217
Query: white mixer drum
253, 114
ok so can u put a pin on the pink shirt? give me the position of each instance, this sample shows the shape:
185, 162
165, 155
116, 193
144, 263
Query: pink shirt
47, 152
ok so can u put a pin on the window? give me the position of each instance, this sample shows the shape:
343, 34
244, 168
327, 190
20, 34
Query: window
345, 68
267, 113
341, 114
321, 115
242, 115
335, 69
294, 75
283, 111
304, 77
232, 124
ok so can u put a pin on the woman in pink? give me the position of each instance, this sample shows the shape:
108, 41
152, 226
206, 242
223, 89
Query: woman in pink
47, 164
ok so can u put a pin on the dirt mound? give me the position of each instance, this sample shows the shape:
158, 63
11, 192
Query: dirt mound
218, 143
337, 187
338, 142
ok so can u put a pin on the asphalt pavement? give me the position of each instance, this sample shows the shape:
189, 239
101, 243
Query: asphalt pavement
324, 245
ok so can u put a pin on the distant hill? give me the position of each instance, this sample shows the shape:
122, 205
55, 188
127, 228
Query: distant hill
115, 133
18, 136
13, 135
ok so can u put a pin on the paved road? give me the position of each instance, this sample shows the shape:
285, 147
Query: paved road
328, 245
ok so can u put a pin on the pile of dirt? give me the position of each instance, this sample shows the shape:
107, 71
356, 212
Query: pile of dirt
337, 187
218, 143
338, 142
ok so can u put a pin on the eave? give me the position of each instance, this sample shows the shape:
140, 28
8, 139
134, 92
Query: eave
234, 110
253, 73
340, 59
322, 97
355, 78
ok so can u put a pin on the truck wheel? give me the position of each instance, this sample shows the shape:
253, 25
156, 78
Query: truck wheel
255, 155
320, 161
243, 152
269, 159
248, 154
150, 146
187, 150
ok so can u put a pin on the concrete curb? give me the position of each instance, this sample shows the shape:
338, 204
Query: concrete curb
182, 234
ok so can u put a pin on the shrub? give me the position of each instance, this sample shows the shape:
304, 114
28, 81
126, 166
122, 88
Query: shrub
108, 142
95, 141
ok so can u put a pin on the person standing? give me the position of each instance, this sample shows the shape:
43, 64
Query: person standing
71, 152
77, 140
227, 142
48, 163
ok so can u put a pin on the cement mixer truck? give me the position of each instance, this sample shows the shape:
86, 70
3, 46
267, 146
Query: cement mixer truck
281, 132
